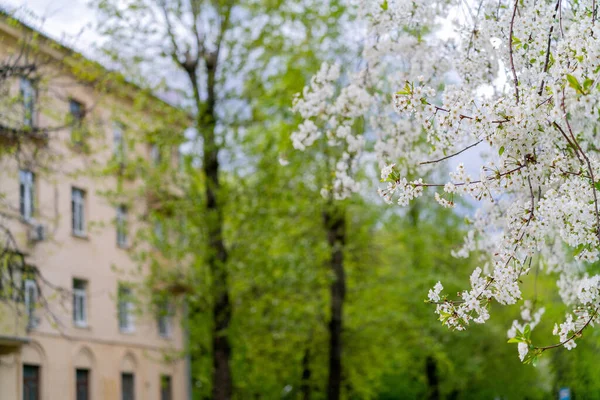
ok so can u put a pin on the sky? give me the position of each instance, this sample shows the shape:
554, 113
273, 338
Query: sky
69, 21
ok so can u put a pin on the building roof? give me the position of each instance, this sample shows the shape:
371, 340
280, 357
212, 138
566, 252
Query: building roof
58, 48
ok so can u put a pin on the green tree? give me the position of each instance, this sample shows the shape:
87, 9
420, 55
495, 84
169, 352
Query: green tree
431, 362
212, 50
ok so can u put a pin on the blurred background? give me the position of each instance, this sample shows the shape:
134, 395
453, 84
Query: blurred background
162, 239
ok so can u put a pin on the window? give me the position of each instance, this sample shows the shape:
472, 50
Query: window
82, 384
122, 226
165, 388
11, 277
155, 154
181, 155
26, 190
126, 317
178, 158
164, 319
158, 230
119, 147
127, 386
183, 236
30, 297
80, 302
28, 95
31, 382
77, 112
78, 211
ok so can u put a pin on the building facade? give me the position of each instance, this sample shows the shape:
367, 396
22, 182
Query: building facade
70, 323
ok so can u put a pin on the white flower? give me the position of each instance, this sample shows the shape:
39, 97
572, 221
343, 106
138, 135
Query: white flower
523, 350
434, 294
532, 190
449, 187
386, 171
443, 202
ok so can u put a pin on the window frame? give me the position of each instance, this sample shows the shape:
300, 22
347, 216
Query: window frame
165, 319
119, 143
121, 225
80, 315
26, 194
156, 154
166, 390
77, 117
83, 383
78, 197
158, 229
30, 288
37, 381
180, 167
125, 309
28, 92
130, 396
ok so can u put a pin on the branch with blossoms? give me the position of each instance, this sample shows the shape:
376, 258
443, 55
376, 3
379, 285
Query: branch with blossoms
525, 83
518, 135
569, 331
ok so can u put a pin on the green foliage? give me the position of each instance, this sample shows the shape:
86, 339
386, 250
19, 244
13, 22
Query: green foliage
462, 365
278, 279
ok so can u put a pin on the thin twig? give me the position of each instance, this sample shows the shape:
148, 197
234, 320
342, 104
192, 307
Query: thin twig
588, 163
490, 178
548, 48
573, 336
452, 155
560, 129
510, 50
463, 116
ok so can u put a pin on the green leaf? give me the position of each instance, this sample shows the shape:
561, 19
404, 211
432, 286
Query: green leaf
501, 151
384, 5
533, 356
574, 83
406, 90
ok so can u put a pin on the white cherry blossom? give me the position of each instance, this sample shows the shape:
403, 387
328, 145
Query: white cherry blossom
520, 79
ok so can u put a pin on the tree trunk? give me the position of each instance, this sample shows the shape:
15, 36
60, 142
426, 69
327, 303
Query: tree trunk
335, 224
432, 379
217, 254
222, 386
306, 373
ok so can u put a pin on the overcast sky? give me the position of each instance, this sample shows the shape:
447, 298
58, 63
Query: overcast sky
61, 19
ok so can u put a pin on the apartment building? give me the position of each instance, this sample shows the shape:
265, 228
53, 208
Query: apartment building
70, 326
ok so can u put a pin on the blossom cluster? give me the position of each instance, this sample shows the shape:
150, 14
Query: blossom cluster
518, 80
330, 113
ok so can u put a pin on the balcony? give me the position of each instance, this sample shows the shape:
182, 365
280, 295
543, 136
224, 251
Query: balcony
10, 136
18, 296
163, 199
13, 326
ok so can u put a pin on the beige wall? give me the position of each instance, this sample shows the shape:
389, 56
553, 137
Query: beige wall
56, 344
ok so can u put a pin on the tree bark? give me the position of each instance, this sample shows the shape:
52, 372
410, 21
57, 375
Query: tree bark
218, 255
306, 373
335, 224
222, 386
432, 379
